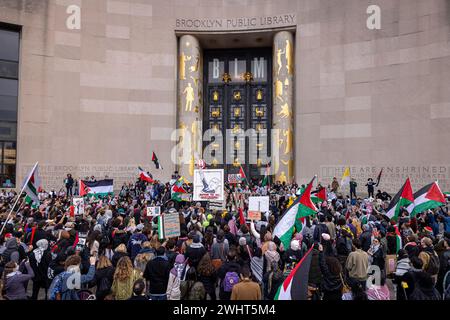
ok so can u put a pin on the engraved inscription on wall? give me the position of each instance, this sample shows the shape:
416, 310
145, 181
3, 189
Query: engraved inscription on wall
392, 177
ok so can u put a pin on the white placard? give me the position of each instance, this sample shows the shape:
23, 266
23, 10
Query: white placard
208, 185
259, 204
78, 204
153, 211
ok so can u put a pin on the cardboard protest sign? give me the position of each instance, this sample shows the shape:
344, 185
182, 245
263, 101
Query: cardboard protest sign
254, 215
169, 226
153, 211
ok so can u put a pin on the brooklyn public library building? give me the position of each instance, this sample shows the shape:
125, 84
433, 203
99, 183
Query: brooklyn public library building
302, 87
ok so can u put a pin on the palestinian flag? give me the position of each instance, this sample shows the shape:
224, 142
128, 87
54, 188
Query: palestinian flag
241, 217
156, 161
295, 286
96, 188
242, 173
403, 198
265, 181
176, 196
32, 184
284, 229
320, 196
429, 197
398, 237
379, 177
293, 218
306, 206
144, 176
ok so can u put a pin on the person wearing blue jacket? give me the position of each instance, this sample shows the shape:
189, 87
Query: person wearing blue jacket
135, 242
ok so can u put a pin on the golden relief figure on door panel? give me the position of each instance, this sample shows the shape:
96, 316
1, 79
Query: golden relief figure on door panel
215, 96
259, 95
183, 60
237, 112
289, 57
282, 178
288, 134
195, 82
237, 95
215, 113
190, 96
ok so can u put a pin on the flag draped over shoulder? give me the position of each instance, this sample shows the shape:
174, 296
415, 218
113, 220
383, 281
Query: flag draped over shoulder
429, 197
398, 239
403, 198
295, 286
32, 184
345, 177
265, 181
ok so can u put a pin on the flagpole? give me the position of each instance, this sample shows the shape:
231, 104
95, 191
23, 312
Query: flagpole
18, 197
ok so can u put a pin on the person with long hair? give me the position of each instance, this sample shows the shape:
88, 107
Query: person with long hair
40, 260
192, 288
93, 242
124, 277
207, 275
332, 278
146, 254
104, 276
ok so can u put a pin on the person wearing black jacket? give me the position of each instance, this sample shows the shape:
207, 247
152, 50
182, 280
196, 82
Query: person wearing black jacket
157, 274
33, 237
195, 251
40, 259
366, 238
231, 265
320, 228
104, 277
331, 269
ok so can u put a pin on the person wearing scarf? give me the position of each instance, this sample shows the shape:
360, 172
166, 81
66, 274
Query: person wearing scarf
14, 281
40, 259
177, 274
271, 256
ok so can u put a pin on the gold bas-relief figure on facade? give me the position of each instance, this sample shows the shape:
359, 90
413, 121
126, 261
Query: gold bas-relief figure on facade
259, 112
279, 65
215, 113
237, 112
236, 128
183, 60
288, 134
194, 131
191, 166
194, 67
288, 52
195, 81
279, 89
237, 95
285, 112
190, 96
286, 82
282, 178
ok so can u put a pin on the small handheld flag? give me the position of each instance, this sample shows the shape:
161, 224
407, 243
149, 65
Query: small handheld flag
156, 161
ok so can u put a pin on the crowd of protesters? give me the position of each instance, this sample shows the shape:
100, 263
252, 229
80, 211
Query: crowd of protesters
115, 249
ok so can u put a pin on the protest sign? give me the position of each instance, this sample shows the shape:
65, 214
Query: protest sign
169, 226
254, 215
208, 185
78, 204
153, 211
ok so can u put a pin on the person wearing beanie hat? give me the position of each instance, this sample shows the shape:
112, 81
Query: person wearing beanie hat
195, 251
177, 274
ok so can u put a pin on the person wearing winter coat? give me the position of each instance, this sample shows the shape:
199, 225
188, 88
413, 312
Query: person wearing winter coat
294, 254
157, 273
246, 289
146, 254
177, 274
366, 238
192, 288
124, 277
195, 251
376, 255
40, 260
119, 252
331, 269
14, 281
104, 277
403, 266
231, 265
135, 242
207, 275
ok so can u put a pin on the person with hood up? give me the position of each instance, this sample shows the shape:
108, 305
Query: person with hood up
14, 281
177, 274
195, 251
294, 254
40, 260
366, 237
271, 256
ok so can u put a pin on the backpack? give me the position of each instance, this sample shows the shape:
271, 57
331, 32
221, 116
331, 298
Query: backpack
231, 278
433, 264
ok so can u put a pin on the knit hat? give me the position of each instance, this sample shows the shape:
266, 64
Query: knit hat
209, 217
295, 245
326, 236
196, 238
140, 227
242, 241
205, 223
428, 229
179, 259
